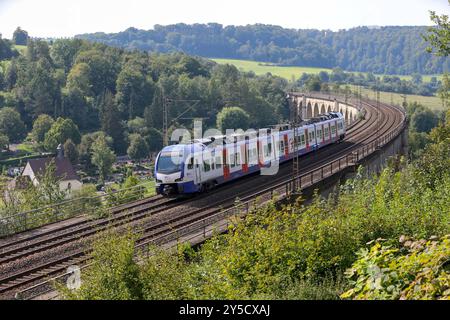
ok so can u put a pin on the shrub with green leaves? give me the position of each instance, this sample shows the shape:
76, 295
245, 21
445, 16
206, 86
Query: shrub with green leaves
417, 270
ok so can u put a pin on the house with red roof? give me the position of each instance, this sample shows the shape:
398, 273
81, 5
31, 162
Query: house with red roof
68, 179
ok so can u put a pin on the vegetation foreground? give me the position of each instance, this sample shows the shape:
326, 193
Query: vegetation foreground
378, 237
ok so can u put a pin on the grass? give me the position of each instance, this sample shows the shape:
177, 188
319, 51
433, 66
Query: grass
150, 187
26, 147
261, 68
433, 102
20, 48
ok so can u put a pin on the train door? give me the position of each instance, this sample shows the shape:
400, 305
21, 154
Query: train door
322, 136
226, 167
286, 145
198, 169
336, 130
307, 139
329, 130
244, 157
260, 152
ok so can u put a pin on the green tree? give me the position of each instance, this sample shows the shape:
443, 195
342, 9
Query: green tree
424, 121
103, 69
439, 35
38, 89
78, 78
11, 125
11, 76
2, 80
137, 125
77, 107
85, 146
102, 157
4, 141
313, 83
41, 126
154, 139
70, 151
63, 52
444, 90
61, 130
112, 124
114, 274
134, 90
153, 113
20, 37
138, 148
232, 118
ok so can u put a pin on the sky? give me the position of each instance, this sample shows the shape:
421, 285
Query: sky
66, 18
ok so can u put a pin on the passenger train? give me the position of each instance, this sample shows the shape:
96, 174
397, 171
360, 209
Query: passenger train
202, 164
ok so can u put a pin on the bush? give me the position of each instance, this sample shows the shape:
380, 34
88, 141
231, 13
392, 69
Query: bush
418, 270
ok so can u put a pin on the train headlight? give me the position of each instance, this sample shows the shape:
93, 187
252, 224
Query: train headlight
179, 180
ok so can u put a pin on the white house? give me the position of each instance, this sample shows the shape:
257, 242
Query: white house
64, 171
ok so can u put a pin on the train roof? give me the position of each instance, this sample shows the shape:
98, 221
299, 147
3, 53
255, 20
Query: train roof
281, 127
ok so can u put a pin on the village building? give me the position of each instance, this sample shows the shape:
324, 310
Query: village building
69, 180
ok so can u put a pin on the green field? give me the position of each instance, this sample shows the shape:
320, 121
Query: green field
433, 103
20, 48
261, 68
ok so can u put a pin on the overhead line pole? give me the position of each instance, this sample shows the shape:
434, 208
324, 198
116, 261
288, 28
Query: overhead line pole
166, 122
294, 115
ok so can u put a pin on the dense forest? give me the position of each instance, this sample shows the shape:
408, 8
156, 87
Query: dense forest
94, 87
383, 50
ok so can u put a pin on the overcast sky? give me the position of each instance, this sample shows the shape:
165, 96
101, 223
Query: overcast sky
65, 18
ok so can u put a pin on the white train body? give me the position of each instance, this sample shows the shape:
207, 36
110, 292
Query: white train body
203, 164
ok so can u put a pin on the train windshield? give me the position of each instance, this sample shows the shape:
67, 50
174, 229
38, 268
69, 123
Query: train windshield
170, 162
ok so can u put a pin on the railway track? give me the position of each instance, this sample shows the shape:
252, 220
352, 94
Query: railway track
156, 216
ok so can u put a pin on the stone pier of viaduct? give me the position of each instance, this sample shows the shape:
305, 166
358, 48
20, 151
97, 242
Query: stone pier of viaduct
307, 106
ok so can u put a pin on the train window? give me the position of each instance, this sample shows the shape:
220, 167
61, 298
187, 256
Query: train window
191, 163
333, 129
254, 155
206, 165
281, 148
319, 134
269, 148
238, 159
302, 139
218, 162
232, 160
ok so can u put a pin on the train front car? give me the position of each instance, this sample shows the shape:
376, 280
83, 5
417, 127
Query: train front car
174, 170
169, 170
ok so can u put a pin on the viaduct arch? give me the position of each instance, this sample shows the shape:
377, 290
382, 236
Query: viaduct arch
311, 106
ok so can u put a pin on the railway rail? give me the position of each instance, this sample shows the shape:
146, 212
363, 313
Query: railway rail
30, 260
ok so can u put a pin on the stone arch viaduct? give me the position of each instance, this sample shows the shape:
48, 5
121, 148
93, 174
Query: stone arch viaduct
308, 106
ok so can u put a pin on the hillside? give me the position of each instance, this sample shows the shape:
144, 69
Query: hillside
385, 50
